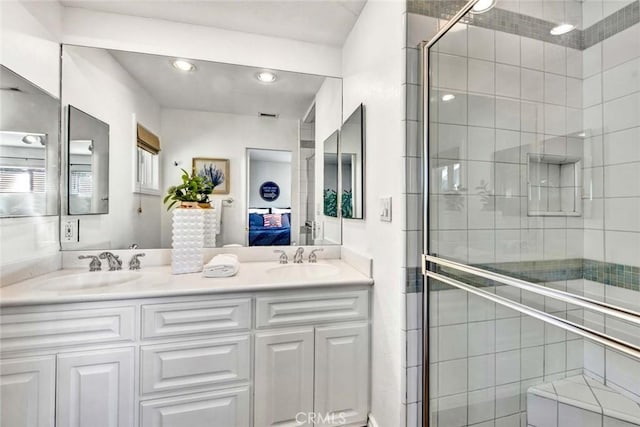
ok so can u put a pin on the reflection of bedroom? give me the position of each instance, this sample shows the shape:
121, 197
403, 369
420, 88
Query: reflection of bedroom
269, 192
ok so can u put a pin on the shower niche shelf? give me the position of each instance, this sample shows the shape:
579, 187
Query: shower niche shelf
554, 185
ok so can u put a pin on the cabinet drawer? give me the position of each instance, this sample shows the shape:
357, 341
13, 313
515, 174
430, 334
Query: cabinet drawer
287, 310
195, 363
195, 317
224, 408
31, 331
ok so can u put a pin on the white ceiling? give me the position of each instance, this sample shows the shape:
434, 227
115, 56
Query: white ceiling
325, 22
218, 87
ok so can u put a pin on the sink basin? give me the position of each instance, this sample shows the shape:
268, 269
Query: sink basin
89, 281
302, 271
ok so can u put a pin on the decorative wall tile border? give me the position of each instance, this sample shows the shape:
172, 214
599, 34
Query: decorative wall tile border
611, 25
415, 280
528, 26
622, 276
539, 271
619, 275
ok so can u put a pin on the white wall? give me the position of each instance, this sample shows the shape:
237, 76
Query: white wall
262, 171
94, 82
372, 72
31, 33
187, 134
29, 37
89, 28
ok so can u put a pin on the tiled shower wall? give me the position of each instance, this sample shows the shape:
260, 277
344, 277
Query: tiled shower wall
611, 100
612, 148
546, 81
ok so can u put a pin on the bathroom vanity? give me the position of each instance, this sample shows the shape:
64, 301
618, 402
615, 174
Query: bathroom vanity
267, 347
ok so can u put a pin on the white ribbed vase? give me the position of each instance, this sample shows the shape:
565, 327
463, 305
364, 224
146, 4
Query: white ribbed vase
209, 228
187, 252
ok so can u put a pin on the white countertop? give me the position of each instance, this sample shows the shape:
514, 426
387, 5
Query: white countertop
159, 282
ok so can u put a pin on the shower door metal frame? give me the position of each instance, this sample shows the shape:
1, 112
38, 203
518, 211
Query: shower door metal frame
424, 49
429, 262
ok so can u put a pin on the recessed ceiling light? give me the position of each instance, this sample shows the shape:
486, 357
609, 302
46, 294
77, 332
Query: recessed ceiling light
448, 97
562, 29
483, 6
183, 65
266, 76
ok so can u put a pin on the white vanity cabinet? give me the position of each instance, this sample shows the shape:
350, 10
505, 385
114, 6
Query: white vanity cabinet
27, 392
96, 388
284, 377
315, 375
252, 359
342, 374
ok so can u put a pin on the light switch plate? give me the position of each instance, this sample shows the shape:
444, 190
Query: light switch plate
69, 232
385, 209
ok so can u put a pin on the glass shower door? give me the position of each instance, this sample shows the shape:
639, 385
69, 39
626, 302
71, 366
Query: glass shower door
532, 169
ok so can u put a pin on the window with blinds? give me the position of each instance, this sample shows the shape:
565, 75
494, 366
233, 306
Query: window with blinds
80, 183
22, 180
148, 167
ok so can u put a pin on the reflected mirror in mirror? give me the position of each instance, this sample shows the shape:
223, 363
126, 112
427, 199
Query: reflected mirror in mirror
352, 165
29, 129
161, 118
87, 164
330, 189
270, 178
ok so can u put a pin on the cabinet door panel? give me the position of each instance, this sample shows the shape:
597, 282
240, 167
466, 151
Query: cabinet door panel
95, 388
283, 377
27, 392
342, 374
223, 408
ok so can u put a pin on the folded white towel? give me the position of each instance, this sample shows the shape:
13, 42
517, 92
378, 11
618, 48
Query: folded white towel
223, 265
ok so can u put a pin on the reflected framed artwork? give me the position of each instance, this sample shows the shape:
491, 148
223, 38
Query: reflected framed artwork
216, 170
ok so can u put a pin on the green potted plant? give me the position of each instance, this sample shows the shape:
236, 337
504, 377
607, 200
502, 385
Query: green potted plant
193, 191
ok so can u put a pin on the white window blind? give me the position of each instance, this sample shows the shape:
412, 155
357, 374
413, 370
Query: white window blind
22, 180
81, 183
148, 170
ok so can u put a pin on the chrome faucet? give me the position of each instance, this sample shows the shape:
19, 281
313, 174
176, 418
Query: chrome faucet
95, 264
283, 256
114, 260
297, 258
313, 258
134, 262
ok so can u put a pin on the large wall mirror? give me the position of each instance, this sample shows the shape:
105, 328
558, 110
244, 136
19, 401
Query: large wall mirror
259, 132
87, 163
29, 131
352, 147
